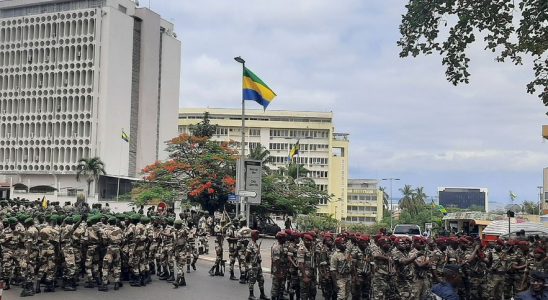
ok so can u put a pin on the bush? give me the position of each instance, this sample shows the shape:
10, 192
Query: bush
320, 222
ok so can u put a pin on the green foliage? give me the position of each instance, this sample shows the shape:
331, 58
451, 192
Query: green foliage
147, 193
262, 154
282, 195
293, 169
530, 207
423, 214
91, 168
412, 199
204, 128
427, 22
320, 222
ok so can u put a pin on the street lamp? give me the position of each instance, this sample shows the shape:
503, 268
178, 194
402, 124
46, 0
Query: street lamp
241, 183
539, 199
391, 210
239, 59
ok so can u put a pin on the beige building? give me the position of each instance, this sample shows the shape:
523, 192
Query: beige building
365, 202
323, 152
545, 191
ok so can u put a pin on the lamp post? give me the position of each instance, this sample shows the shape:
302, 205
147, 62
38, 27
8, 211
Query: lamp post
391, 210
241, 183
539, 199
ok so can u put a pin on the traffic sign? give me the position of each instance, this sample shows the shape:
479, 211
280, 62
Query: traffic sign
247, 194
233, 198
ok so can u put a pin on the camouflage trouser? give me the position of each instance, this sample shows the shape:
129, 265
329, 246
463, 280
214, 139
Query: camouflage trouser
112, 264
204, 240
191, 253
405, 289
47, 264
180, 261
8, 263
293, 280
255, 275
77, 259
241, 262
512, 285
232, 255
28, 265
478, 288
92, 263
325, 282
495, 287
277, 290
380, 285
136, 259
343, 287
69, 270
419, 288
360, 287
166, 257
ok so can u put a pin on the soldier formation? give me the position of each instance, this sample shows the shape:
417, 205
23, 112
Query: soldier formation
45, 247
383, 267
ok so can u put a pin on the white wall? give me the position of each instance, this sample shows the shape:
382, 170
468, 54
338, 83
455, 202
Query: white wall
169, 113
115, 90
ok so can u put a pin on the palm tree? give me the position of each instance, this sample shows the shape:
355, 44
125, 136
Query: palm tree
420, 196
262, 154
384, 197
408, 199
91, 168
293, 170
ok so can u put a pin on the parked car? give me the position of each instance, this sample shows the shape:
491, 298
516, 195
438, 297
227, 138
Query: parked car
408, 230
265, 225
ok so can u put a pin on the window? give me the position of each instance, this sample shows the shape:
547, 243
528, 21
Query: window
254, 132
221, 131
121, 8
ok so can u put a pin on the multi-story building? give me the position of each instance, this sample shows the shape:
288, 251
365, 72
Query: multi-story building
322, 151
365, 202
464, 197
74, 74
544, 193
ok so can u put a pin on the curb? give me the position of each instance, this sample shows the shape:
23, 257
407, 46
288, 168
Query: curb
211, 259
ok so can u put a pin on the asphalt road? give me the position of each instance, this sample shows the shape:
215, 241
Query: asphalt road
266, 245
199, 286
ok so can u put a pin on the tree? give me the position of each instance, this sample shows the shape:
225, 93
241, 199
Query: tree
384, 198
425, 19
420, 197
146, 193
320, 222
262, 154
91, 168
292, 172
408, 200
530, 207
201, 169
204, 128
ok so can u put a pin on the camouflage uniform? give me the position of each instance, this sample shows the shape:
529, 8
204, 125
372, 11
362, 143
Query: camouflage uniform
339, 265
278, 269
30, 258
232, 240
253, 258
477, 274
112, 264
307, 273
70, 267
383, 274
50, 238
180, 239
92, 239
361, 273
166, 256
241, 247
191, 251
406, 274
9, 246
293, 276
496, 276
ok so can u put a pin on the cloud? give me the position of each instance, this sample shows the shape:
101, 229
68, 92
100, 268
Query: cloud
402, 115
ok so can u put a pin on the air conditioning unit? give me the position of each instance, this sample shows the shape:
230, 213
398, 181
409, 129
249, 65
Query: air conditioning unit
30, 59
40, 83
79, 54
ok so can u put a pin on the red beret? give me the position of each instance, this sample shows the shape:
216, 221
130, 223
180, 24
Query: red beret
464, 240
308, 237
364, 238
539, 250
281, 235
441, 241
339, 241
328, 235
500, 242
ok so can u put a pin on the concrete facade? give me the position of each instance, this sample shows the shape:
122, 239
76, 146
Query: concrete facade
73, 75
364, 202
323, 152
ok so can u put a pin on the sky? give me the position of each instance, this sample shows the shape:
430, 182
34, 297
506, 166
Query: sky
404, 119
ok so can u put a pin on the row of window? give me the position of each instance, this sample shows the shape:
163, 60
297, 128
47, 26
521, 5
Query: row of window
371, 197
302, 147
297, 133
45, 130
78, 78
57, 155
353, 208
43, 105
47, 55
48, 30
317, 174
361, 219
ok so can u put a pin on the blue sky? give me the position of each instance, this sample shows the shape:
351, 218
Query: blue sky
405, 120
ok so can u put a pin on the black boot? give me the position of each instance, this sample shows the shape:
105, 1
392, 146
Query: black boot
143, 280
148, 278
7, 285
251, 295
212, 271
183, 281
116, 286
134, 280
217, 273
37, 289
171, 277
90, 284
188, 268
162, 273
68, 285
193, 264
243, 280
232, 277
152, 268
27, 290
103, 287
263, 295
50, 287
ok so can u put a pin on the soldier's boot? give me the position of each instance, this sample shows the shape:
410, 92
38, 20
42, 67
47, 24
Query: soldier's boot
162, 273
176, 283
7, 285
232, 277
263, 295
50, 287
148, 278
143, 279
120, 284
152, 268
183, 281
171, 276
103, 287
89, 284
217, 272
68, 285
193, 264
243, 279
251, 295
37, 289
27, 290
117, 286
212, 271
134, 280
188, 268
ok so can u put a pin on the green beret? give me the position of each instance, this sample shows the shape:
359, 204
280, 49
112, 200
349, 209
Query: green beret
135, 217
112, 219
21, 217
12, 220
77, 218
170, 220
178, 222
29, 221
145, 220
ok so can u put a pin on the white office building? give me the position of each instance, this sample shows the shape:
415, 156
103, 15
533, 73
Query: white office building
74, 74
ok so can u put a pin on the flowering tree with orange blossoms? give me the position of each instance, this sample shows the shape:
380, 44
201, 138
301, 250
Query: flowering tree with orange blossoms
197, 167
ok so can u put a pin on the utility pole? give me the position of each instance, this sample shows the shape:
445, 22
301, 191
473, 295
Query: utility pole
391, 205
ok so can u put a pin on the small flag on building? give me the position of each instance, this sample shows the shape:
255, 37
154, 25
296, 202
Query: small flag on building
125, 137
294, 151
256, 90
44, 203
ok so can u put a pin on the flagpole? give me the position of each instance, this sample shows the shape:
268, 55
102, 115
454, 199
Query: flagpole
243, 200
119, 170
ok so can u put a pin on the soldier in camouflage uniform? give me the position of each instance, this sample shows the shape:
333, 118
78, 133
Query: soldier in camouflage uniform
293, 276
340, 264
361, 269
253, 259
30, 258
9, 244
405, 268
306, 261
476, 264
92, 239
112, 264
191, 251
384, 269
70, 267
241, 246
50, 242
437, 259
278, 267
180, 240
497, 270
421, 283
216, 268
232, 250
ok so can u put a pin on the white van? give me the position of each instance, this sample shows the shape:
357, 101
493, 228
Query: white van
408, 230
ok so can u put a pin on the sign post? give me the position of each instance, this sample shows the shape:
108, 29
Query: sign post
249, 184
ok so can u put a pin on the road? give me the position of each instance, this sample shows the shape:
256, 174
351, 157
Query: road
199, 286
266, 245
